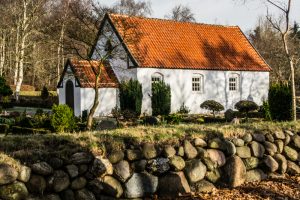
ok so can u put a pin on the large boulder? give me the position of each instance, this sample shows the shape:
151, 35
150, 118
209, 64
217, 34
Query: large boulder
14, 191
198, 142
195, 170
213, 176
247, 138
141, 185
271, 163
235, 171
8, 174
293, 168
101, 167
134, 154
139, 166
68, 195
238, 142
296, 141
257, 149
180, 151
230, 148
217, 157
251, 163
78, 183
177, 163
217, 143
149, 151
24, 174
204, 186
112, 187
270, 138
282, 162
36, 184
84, 194
42, 168
116, 156
81, 158
280, 145
72, 170
169, 151
291, 153
158, 165
211, 165
271, 148
59, 181
189, 150
279, 135
173, 185
243, 152
122, 170
255, 175
287, 139
259, 137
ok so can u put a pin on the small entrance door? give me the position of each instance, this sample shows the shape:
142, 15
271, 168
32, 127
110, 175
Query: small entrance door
70, 94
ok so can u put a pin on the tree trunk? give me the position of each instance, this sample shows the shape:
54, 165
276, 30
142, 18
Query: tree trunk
89, 123
2, 53
16, 70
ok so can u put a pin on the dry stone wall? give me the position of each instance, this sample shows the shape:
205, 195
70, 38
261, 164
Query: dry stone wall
162, 170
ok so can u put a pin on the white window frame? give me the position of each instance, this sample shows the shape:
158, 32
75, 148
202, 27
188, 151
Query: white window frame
234, 83
198, 83
156, 77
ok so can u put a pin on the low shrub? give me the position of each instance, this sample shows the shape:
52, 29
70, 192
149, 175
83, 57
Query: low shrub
62, 118
246, 106
5, 89
4, 128
26, 122
161, 99
212, 105
25, 131
230, 115
173, 118
151, 120
183, 109
8, 121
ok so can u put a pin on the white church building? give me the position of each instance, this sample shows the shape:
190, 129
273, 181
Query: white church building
199, 61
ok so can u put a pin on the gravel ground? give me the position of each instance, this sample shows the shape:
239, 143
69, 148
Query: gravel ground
277, 188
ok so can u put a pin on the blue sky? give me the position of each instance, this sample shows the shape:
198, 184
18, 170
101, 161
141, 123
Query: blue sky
226, 12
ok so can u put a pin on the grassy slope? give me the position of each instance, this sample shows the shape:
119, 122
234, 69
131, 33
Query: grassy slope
35, 147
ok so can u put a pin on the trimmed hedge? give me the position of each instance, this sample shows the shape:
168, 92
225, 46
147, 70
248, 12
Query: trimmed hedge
280, 102
161, 99
131, 96
26, 131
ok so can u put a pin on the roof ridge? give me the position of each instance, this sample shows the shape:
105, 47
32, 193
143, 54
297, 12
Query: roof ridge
171, 20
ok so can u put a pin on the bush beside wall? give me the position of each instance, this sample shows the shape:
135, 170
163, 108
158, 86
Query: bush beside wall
161, 99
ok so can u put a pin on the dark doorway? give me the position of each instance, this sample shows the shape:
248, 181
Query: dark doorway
70, 94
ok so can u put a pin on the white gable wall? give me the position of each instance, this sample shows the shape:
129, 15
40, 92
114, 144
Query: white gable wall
62, 92
253, 86
118, 61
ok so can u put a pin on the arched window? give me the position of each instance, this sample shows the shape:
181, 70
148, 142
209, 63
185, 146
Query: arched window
198, 83
157, 77
234, 82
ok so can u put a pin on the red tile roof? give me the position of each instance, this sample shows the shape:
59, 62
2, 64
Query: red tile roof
85, 72
185, 45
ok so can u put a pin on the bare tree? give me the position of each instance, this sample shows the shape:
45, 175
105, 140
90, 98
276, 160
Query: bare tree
283, 26
181, 13
133, 8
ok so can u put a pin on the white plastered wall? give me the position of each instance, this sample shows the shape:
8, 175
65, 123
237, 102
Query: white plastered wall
108, 99
252, 86
62, 92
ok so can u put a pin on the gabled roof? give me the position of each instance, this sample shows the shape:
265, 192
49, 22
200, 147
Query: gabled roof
184, 45
85, 74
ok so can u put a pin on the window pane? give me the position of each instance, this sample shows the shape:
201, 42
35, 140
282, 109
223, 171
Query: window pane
197, 84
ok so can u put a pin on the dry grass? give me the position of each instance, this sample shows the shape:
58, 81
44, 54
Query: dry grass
37, 147
36, 93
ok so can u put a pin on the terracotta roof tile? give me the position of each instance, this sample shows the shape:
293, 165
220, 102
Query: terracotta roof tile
85, 72
170, 44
